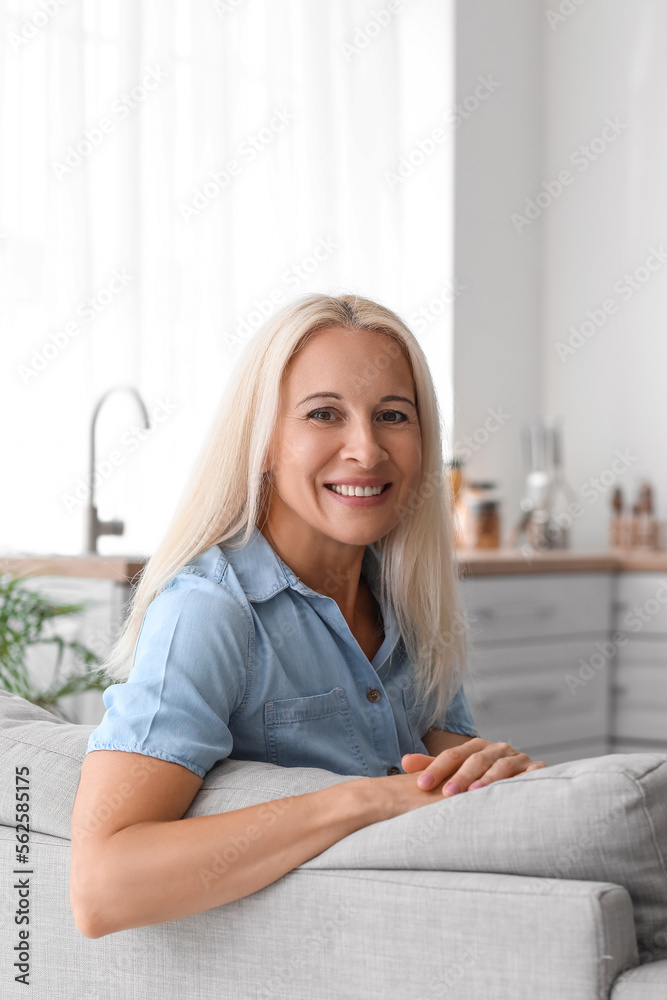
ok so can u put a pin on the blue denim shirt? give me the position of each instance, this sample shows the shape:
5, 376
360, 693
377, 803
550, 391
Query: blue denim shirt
238, 658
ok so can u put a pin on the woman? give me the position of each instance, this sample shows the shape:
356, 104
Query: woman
288, 618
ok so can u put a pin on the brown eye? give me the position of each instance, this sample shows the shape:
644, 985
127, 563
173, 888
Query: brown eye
398, 413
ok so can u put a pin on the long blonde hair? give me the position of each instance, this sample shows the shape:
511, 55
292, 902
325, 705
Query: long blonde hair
228, 489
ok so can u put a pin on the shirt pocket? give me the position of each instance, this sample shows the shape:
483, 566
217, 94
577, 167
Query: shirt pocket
414, 712
316, 731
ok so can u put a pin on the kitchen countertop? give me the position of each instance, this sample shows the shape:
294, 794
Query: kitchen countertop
471, 562
122, 569
501, 562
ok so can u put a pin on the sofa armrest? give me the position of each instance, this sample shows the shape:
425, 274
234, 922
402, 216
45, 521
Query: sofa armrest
339, 934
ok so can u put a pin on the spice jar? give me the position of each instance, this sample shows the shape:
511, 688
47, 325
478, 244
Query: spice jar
482, 516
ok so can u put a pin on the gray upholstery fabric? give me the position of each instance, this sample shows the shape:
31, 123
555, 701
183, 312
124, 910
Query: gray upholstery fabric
320, 935
414, 892
648, 982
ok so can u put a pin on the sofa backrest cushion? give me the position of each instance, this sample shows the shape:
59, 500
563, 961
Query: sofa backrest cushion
600, 819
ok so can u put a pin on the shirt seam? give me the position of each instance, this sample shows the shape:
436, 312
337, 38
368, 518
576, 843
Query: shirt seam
250, 669
460, 731
149, 752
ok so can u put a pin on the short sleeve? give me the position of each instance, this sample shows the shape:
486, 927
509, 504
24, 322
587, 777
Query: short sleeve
458, 717
188, 677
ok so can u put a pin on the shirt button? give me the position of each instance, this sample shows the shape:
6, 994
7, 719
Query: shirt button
373, 694
393, 770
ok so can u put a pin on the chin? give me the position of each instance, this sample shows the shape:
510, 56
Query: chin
356, 535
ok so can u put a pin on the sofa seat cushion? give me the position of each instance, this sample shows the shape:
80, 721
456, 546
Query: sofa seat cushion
647, 982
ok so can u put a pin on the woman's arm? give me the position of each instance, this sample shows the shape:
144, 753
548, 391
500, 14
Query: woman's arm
136, 861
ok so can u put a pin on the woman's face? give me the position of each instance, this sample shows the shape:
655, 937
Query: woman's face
347, 416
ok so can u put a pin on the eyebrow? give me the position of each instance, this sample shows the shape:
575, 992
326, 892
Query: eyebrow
335, 395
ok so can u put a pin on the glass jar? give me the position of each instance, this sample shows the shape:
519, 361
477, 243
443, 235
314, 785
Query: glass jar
482, 516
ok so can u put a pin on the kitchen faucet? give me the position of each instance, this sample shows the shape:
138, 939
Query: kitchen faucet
95, 527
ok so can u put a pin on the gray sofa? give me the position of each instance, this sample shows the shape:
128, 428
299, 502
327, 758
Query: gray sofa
546, 886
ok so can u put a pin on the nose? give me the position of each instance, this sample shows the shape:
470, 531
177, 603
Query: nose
362, 445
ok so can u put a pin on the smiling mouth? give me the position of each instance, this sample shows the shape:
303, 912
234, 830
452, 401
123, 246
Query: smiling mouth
373, 491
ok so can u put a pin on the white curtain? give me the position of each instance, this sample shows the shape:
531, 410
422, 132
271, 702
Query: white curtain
170, 172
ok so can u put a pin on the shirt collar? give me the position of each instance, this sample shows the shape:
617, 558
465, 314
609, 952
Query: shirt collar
262, 573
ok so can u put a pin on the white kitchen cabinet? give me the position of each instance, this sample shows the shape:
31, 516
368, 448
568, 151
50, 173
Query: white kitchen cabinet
530, 636
522, 607
639, 716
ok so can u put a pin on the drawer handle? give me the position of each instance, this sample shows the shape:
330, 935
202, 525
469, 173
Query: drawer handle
514, 611
529, 697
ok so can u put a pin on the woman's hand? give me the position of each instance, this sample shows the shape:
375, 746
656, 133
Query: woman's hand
471, 765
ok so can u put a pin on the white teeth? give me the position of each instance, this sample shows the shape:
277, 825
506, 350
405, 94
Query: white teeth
358, 491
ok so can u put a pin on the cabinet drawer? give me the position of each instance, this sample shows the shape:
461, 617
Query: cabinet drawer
643, 651
641, 605
539, 709
640, 702
523, 607
535, 659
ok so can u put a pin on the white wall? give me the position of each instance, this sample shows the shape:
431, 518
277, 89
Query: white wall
607, 61
497, 319
562, 77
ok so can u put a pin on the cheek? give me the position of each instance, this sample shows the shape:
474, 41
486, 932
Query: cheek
411, 457
300, 455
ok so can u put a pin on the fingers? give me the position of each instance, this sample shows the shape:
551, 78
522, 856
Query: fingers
447, 763
506, 767
479, 771
475, 764
411, 762
471, 765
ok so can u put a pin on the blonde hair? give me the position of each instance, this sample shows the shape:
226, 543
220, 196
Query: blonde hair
228, 488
